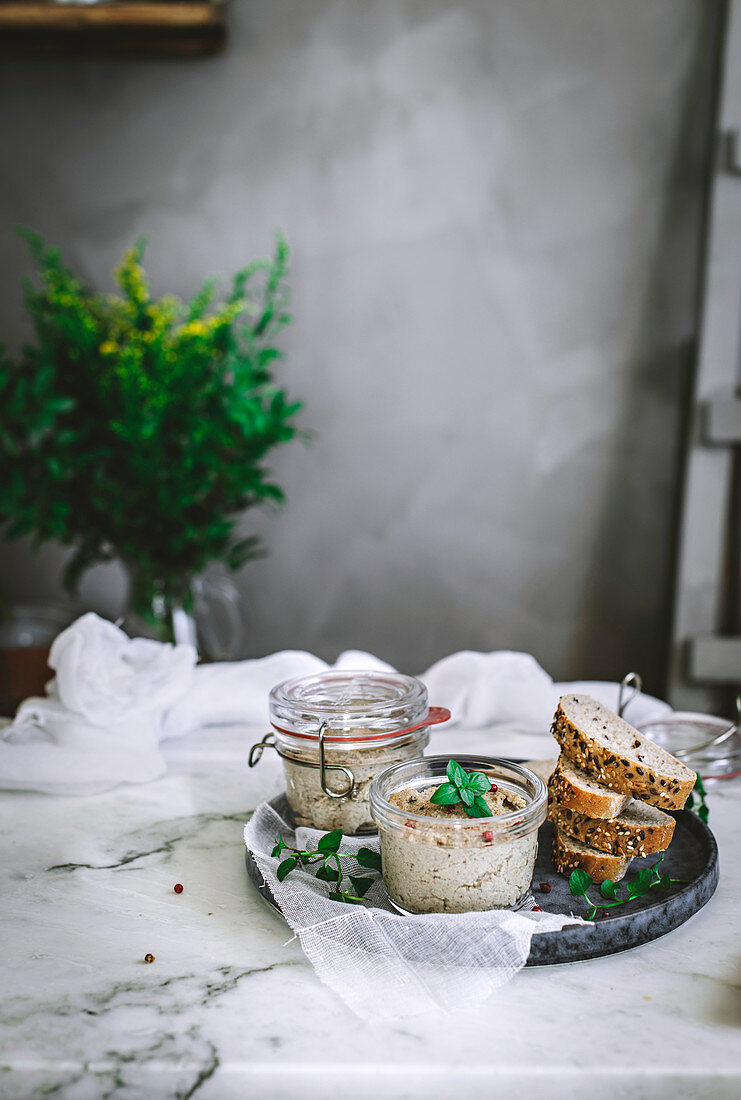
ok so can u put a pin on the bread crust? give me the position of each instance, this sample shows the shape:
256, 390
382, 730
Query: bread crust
600, 865
620, 837
603, 804
619, 772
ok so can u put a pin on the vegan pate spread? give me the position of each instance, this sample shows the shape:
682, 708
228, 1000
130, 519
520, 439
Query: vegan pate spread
432, 866
311, 806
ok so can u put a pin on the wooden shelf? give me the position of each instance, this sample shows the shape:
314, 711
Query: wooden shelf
115, 28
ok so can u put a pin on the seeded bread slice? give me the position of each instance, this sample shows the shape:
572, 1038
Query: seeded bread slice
615, 754
574, 790
568, 854
639, 830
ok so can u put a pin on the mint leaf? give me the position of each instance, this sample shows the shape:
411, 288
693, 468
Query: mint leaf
456, 774
337, 895
446, 795
330, 842
479, 782
280, 846
478, 808
286, 867
328, 874
579, 882
640, 884
361, 886
655, 869
467, 796
607, 889
367, 857
702, 812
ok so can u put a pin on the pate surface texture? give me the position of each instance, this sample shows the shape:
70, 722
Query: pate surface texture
500, 801
311, 806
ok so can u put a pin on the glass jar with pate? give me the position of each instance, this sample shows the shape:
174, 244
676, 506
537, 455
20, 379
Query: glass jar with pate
437, 859
335, 731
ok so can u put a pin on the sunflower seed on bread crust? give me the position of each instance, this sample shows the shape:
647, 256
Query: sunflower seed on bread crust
615, 754
568, 854
574, 790
639, 830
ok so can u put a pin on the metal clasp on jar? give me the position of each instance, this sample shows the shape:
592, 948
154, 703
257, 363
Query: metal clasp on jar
268, 742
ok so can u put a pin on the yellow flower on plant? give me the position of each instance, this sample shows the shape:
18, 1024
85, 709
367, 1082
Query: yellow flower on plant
108, 347
194, 328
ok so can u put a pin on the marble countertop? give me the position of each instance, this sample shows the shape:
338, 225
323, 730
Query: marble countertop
230, 1009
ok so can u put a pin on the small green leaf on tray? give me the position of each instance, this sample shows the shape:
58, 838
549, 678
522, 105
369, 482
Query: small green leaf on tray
648, 879
641, 883
342, 895
328, 856
279, 847
327, 874
702, 810
361, 886
330, 842
579, 882
286, 867
367, 857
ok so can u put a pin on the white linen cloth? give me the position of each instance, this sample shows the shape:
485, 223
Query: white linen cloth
113, 700
384, 965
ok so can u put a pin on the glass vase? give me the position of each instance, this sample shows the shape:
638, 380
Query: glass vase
207, 613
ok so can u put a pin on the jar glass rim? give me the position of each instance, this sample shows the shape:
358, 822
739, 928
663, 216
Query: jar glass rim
346, 700
399, 775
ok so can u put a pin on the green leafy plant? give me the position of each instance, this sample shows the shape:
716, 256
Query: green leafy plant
649, 878
465, 787
328, 858
136, 427
702, 810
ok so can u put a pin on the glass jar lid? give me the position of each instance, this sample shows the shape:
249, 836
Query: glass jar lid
352, 706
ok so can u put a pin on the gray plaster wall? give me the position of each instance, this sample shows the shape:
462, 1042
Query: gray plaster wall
495, 209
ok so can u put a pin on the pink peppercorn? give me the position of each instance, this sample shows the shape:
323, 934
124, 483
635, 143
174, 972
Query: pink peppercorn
411, 824
488, 835
178, 887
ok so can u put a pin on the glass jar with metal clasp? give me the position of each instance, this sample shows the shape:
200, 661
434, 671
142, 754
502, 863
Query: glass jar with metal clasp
335, 731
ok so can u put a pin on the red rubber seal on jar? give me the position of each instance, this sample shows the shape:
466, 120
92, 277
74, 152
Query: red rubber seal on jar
434, 716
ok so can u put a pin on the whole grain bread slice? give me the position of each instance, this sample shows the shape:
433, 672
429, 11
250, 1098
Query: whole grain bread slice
568, 854
617, 755
639, 830
574, 790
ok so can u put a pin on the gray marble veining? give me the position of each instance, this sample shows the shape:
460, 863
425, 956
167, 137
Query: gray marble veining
230, 1008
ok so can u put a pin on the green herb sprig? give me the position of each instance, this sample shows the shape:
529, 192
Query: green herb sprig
137, 427
648, 879
328, 856
465, 787
702, 810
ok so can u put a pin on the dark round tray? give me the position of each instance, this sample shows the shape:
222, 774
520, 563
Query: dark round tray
692, 856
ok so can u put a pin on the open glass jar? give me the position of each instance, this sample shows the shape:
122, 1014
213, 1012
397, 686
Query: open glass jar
335, 732
457, 864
